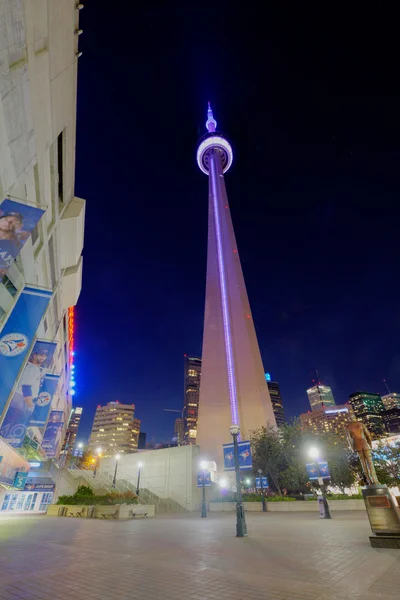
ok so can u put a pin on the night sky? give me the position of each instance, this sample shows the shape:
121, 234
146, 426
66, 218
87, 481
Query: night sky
310, 101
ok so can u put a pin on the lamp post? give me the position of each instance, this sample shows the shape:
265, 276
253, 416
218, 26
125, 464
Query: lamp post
96, 464
117, 457
241, 527
203, 504
264, 506
314, 454
140, 465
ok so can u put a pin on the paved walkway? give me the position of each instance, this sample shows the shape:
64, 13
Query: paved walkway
286, 557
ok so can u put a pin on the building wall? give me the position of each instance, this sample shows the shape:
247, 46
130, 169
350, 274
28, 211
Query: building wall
168, 472
369, 409
38, 74
327, 420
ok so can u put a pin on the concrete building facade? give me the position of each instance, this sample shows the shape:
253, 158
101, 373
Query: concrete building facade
38, 88
115, 429
233, 387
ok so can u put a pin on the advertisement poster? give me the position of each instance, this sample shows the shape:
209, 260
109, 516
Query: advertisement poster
31, 398
11, 463
43, 404
17, 222
245, 459
17, 335
52, 435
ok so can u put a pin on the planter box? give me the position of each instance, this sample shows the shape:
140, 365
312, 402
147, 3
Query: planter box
124, 510
306, 506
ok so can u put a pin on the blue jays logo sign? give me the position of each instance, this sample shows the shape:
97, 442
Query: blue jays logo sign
13, 344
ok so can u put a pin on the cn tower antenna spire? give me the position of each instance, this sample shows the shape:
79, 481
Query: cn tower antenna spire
211, 123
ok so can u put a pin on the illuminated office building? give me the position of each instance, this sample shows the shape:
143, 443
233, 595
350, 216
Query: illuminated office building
192, 377
327, 420
72, 430
369, 409
391, 400
320, 396
233, 388
178, 430
115, 429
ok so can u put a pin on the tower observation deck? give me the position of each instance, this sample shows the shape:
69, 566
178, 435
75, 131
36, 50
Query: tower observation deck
233, 387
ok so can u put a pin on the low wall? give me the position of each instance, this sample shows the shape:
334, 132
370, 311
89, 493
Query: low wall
124, 511
298, 506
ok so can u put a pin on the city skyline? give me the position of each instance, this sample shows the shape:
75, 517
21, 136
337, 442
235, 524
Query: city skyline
310, 170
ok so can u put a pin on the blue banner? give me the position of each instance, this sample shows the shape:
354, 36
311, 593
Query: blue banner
17, 335
31, 402
20, 479
43, 402
207, 479
318, 469
52, 435
17, 222
244, 452
264, 482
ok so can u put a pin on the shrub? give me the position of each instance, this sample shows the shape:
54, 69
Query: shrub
84, 496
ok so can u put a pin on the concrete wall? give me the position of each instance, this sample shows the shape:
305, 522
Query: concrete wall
310, 506
168, 473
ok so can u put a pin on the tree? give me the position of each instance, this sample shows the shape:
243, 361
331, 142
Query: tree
267, 454
387, 464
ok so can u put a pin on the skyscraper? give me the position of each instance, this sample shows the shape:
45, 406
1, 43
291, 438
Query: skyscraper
391, 400
320, 396
369, 409
276, 399
115, 429
178, 430
233, 387
192, 377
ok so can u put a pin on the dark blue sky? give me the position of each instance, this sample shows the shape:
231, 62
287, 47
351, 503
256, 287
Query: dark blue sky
310, 101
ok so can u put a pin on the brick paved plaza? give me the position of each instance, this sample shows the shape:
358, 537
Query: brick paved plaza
286, 556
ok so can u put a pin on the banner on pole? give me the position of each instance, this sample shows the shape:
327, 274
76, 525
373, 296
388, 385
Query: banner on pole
207, 479
52, 433
264, 482
244, 452
17, 335
31, 402
17, 221
317, 470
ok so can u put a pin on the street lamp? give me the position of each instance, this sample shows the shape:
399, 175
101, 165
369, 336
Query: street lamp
117, 457
241, 527
140, 465
314, 453
96, 464
264, 506
203, 466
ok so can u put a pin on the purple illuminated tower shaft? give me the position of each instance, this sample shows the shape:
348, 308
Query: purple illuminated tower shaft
233, 387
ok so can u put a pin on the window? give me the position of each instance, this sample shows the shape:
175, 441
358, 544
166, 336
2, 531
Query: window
35, 234
53, 275
45, 325
60, 166
10, 287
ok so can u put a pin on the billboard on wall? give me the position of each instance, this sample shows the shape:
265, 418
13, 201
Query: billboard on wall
17, 336
17, 222
52, 434
32, 398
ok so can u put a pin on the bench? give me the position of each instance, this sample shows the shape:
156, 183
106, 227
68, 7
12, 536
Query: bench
80, 513
134, 515
113, 515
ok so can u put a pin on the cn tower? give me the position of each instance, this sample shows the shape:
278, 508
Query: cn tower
233, 388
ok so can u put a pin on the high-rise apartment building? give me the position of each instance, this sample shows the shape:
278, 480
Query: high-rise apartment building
369, 409
115, 429
327, 420
391, 419
41, 235
178, 431
72, 430
233, 388
320, 396
192, 376
276, 399
391, 400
